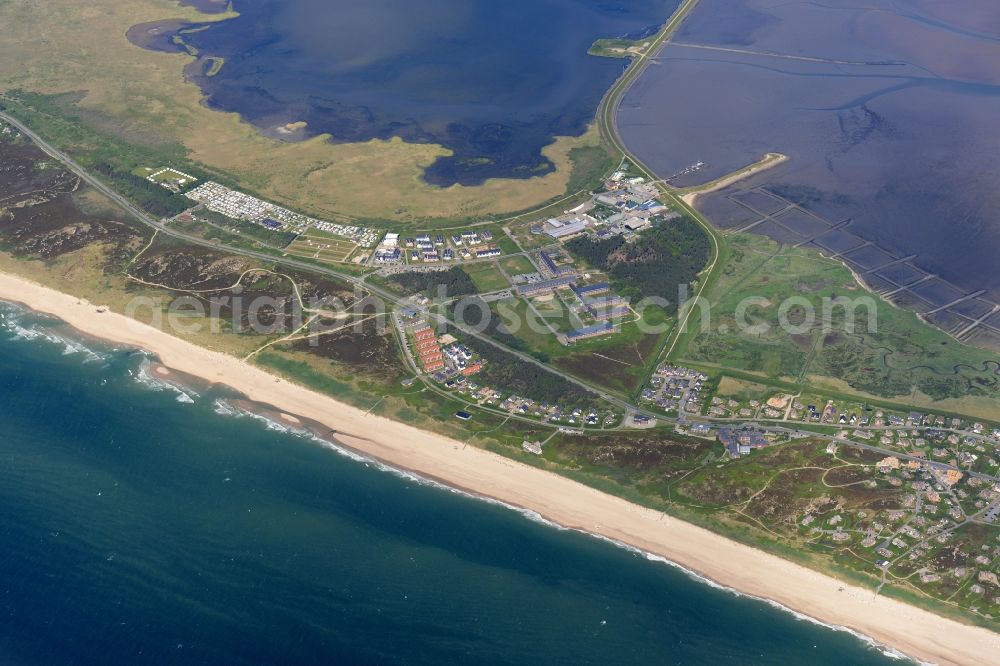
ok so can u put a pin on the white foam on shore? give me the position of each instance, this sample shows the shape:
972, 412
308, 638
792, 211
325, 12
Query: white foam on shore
277, 426
534, 516
223, 408
887, 651
144, 375
12, 320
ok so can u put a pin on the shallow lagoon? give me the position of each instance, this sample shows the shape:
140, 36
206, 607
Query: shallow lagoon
493, 81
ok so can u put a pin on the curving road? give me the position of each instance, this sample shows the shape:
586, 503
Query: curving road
358, 282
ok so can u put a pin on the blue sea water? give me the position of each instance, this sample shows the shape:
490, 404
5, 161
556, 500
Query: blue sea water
494, 82
146, 524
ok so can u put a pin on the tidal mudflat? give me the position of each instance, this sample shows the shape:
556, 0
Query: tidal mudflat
890, 114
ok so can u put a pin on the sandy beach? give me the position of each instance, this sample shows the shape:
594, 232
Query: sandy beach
908, 629
769, 161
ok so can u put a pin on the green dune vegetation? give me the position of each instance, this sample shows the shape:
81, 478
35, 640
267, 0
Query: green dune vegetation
898, 358
619, 48
829, 504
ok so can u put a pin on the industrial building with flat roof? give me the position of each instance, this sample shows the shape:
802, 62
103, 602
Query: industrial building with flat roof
590, 332
592, 289
605, 301
551, 267
534, 288
611, 313
560, 229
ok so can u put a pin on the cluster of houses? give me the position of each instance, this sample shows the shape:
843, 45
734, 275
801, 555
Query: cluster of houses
465, 246
672, 387
462, 382
729, 407
831, 414
442, 357
462, 359
921, 531
828, 414
920, 442
521, 406
238, 205
428, 348
554, 412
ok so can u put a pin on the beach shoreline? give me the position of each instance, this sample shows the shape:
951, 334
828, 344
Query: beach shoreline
769, 161
910, 630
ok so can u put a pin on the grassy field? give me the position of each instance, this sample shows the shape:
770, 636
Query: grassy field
760, 499
528, 328
740, 389
517, 265
618, 48
900, 358
165, 175
486, 276
552, 309
322, 247
139, 96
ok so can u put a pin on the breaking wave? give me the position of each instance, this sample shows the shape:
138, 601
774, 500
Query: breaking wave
224, 408
145, 376
23, 324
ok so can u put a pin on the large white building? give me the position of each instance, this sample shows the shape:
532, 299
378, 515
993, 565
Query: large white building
565, 228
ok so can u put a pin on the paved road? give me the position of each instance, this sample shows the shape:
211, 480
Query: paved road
628, 407
608, 106
607, 120
607, 113
389, 297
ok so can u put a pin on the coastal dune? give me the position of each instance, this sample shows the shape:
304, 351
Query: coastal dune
908, 629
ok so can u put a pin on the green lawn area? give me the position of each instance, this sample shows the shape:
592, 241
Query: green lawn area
518, 265
900, 357
486, 276
523, 324
503, 241
619, 361
324, 247
555, 313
